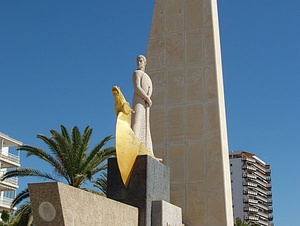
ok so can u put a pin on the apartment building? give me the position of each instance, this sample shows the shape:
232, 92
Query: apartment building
251, 188
8, 161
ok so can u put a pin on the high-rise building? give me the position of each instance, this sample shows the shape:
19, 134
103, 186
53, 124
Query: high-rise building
8, 160
251, 188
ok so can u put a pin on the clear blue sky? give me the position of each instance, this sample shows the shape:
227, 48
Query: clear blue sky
59, 60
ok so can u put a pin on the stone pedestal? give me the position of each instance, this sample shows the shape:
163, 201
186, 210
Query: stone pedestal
57, 204
150, 181
164, 213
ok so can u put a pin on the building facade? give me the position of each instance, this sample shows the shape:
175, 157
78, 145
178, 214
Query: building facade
8, 161
251, 188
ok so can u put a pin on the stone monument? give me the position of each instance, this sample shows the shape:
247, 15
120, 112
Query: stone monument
141, 103
188, 113
135, 177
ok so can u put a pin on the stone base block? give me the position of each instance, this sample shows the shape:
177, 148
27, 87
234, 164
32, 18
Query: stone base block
166, 214
57, 204
150, 181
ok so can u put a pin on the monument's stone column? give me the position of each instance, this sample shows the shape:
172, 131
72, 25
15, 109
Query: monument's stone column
188, 114
150, 181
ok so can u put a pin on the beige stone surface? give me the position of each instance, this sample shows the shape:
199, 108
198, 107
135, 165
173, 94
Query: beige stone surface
76, 207
188, 114
178, 191
194, 156
164, 213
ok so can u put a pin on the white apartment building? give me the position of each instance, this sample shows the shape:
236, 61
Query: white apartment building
251, 188
8, 160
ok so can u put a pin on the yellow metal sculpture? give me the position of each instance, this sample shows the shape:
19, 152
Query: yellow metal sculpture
128, 146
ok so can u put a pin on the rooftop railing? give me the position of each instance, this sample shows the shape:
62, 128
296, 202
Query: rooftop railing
245, 158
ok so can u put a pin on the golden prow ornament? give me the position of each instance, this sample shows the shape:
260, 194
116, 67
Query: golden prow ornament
128, 146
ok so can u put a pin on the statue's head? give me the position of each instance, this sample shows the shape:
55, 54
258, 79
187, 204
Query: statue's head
141, 62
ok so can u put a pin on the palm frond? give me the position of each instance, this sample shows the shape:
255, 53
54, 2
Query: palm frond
83, 149
25, 172
65, 156
5, 216
40, 153
103, 155
20, 197
65, 133
101, 183
23, 216
98, 154
100, 168
76, 136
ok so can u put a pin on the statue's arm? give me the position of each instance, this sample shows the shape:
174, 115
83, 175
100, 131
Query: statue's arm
138, 90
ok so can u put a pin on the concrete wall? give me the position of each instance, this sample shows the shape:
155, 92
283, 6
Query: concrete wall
57, 204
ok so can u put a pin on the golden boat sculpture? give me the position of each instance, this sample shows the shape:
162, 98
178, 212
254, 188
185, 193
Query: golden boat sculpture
128, 146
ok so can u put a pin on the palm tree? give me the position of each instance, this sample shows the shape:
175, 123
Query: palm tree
101, 183
239, 222
21, 217
69, 157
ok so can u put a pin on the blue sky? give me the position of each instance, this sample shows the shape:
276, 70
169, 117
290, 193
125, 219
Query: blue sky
59, 60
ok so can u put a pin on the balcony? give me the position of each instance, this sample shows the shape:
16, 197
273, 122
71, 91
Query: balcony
269, 186
250, 176
263, 223
5, 202
250, 209
261, 191
268, 172
264, 207
262, 169
270, 202
263, 215
270, 209
262, 183
270, 217
9, 160
9, 183
249, 192
250, 184
262, 176
250, 168
251, 218
269, 193
248, 200
262, 199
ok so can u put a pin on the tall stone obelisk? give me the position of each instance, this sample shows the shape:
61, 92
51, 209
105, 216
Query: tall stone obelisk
188, 121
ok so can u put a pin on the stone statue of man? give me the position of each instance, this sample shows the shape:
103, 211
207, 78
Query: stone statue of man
141, 103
